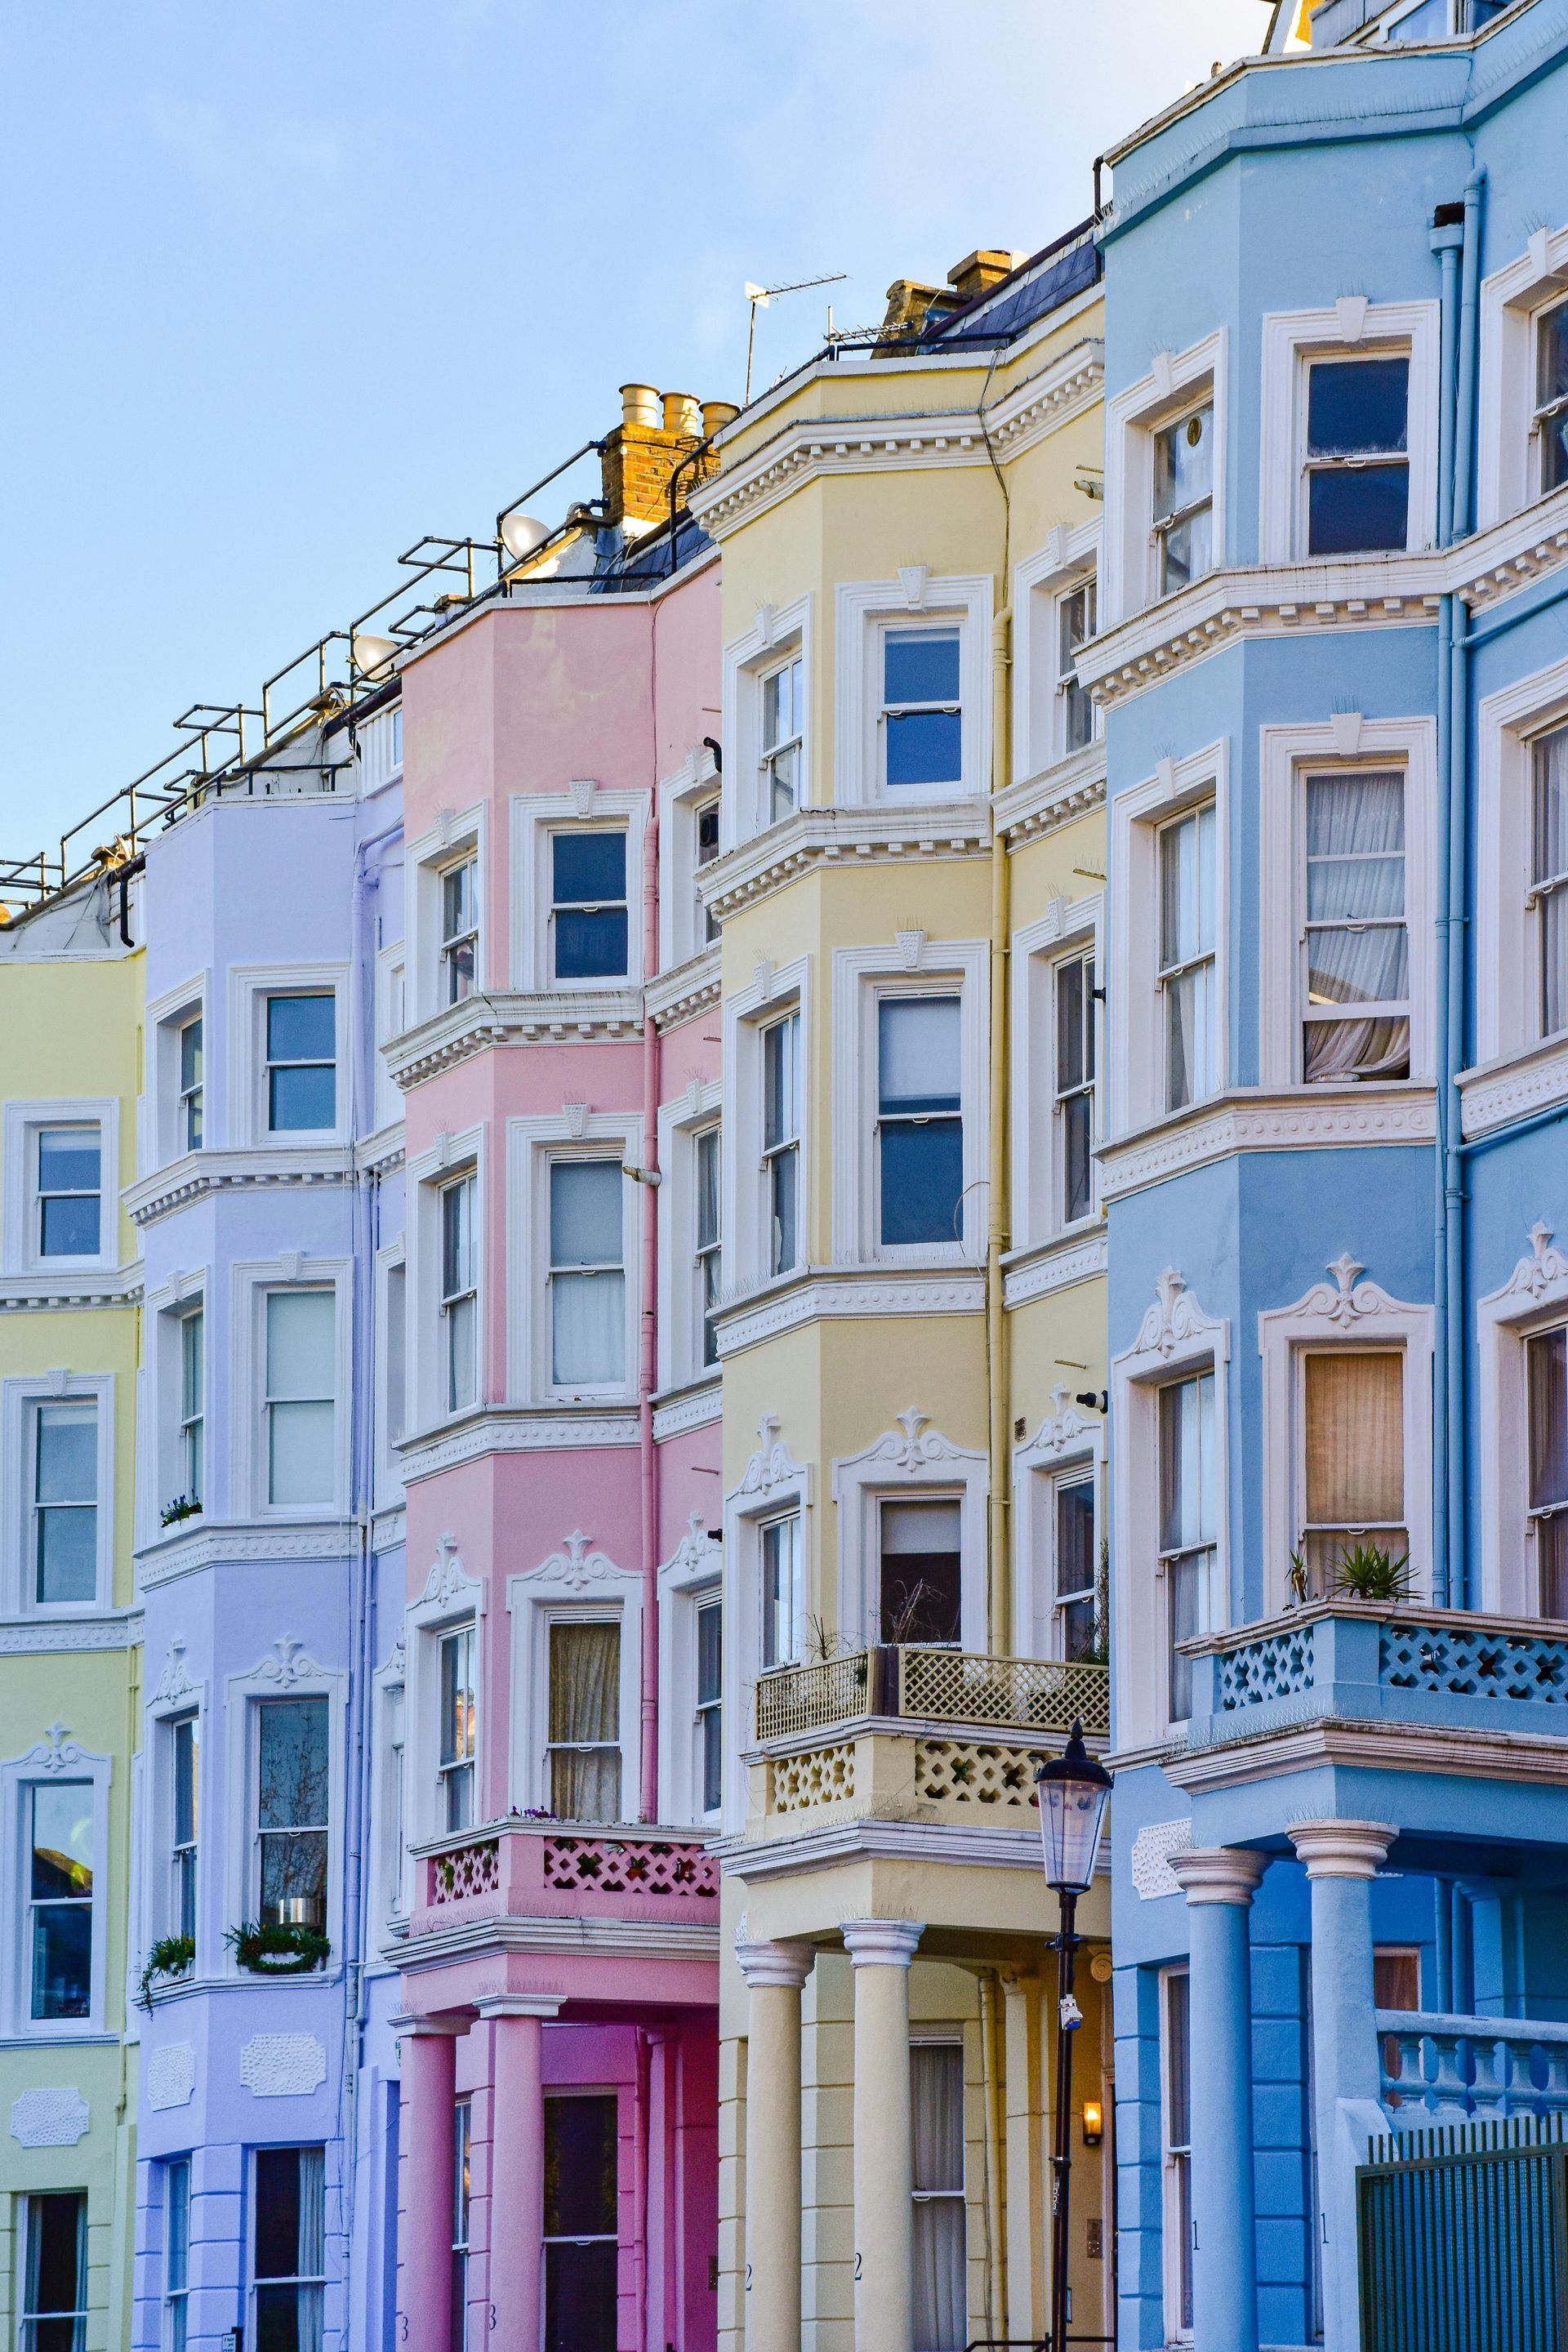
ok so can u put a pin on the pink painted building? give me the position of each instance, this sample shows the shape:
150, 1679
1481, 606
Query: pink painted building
551, 1013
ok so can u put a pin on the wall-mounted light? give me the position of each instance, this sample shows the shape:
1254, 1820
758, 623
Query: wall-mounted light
1093, 2123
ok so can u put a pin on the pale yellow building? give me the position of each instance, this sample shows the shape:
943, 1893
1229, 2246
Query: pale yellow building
909, 890
70, 999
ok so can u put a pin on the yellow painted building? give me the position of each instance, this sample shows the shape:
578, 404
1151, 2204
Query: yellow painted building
70, 999
909, 887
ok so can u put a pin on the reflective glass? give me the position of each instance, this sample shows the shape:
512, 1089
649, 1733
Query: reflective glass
1357, 406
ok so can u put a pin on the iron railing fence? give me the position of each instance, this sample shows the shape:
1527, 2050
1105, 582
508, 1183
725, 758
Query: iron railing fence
1463, 2237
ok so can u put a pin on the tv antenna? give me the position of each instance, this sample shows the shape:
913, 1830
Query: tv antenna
759, 297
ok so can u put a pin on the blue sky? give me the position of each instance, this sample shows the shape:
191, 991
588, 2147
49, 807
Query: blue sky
290, 282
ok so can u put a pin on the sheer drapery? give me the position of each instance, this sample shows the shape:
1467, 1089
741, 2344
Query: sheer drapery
936, 2108
312, 2246
1187, 937
1354, 1456
1358, 947
588, 1329
584, 1722
1549, 875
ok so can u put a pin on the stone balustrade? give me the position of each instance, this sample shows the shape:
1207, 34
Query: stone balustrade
546, 1869
1434, 2068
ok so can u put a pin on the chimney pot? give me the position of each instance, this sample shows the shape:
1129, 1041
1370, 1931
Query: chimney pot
716, 415
682, 413
979, 271
639, 404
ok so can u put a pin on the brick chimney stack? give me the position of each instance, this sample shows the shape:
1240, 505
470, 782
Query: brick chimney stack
656, 432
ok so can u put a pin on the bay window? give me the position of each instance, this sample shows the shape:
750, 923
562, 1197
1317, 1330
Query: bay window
1075, 1086
184, 1735
59, 1816
291, 1812
710, 1628
1549, 874
1547, 1361
69, 1191
921, 1585
302, 1064
1188, 1524
1353, 1473
783, 732
583, 1748
54, 2272
781, 1578
781, 1139
458, 1725
1551, 418
1355, 941
1356, 462
290, 2256
459, 930
586, 1275
940, 2262
709, 1258
459, 1295
922, 712
1183, 498
1187, 973
298, 1405
581, 2221
65, 1470
589, 932
920, 1126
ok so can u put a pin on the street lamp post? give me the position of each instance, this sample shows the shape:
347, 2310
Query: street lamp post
1072, 1793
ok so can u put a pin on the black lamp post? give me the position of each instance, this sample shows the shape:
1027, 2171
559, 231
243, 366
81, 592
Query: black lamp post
1073, 1793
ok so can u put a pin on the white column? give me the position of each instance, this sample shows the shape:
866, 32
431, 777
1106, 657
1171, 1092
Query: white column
775, 1974
880, 1951
1219, 1883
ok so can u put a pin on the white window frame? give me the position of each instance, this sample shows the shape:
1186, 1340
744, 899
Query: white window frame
1534, 1299
1507, 944
19, 1400
862, 977
175, 1700
1069, 929
391, 1274
248, 1459
535, 816
456, 838
778, 635
1287, 756
451, 1598
532, 1146
166, 1309
772, 1486
1351, 329
864, 611
1171, 2266
701, 1108
53, 1760
391, 1022
914, 1463
687, 1582
1177, 1340
390, 1820
577, 1584
1178, 382
463, 1185
1067, 1448
19, 1232
425, 1175
1040, 581
747, 1213
286, 1672
163, 1134
1133, 1091
694, 786
1336, 1316
249, 987
1512, 301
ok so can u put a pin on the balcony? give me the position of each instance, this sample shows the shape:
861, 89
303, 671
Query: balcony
1449, 1670
910, 1734
1437, 2069
561, 1870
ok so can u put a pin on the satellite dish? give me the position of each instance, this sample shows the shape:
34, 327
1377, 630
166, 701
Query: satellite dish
522, 534
372, 655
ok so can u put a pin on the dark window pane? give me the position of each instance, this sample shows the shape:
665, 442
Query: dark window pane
921, 666
924, 747
278, 2319
784, 1174
1076, 1158
710, 1624
580, 2168
62, 1960
1178, 2075
55, 2227
292, 1780
580, 2298
1357, 405
69, 1228
302, 1097
1071, 1028
1074, 1537
922, 1597
277, 2212
1358, 508
300, 1029
589, 868
922, 1180
712, 1760
591, 946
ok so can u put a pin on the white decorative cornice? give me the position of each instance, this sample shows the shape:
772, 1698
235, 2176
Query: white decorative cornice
36, 1292
1174, 1320
511, 1017
1064, 1431
698, 1407
219, 1544
910, 1448
1053, 1266
576, 1567
826, 1293
816, 838
1037, 805
694, 1554
1500, 1092
520, 1430
449, 1578
36, 1637
771, 1469
56, 1752
200, 1174
684, 992
1545, 1269
1247, 1119
289, 1665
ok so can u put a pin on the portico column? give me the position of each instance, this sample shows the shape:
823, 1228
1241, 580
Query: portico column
517, 2168
429, 2088
775, 1974
1342, 1860
880, 1951
1218, 1883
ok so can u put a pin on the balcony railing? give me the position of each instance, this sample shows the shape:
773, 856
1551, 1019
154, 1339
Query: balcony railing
930, 1685
1360, 1659
541, 1870
1433, 2068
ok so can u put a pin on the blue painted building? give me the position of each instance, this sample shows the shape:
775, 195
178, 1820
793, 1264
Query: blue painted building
1333, 666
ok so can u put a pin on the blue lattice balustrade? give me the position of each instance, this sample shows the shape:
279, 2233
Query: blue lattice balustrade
1485, 1664
1277, 1665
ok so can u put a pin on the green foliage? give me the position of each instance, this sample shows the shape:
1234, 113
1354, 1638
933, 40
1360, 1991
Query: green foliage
273, 1951
171, 1956
1369, 1573
183, 1506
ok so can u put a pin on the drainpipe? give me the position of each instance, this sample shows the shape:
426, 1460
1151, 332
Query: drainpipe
999, 1597
1448, 240
648, 1349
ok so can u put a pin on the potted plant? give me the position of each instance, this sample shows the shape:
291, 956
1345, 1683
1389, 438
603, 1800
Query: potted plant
278, 1948
1370, 1573
183, 1506
171, 1956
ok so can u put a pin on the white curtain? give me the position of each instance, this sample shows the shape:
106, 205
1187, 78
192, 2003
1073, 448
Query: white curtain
588, 1329
584, 1722
941, 2288
1355, 876
1550, 862
312, 2255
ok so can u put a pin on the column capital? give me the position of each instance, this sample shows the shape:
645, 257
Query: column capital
1218, 1874
1333, 1849
522, 2004
881, 1942
767, 1963
427, 2029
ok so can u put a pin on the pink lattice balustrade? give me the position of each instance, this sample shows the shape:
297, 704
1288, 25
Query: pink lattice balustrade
465, 1870
544, 1870
609, 1867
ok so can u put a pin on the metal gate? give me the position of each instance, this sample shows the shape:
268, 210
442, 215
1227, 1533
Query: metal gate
1463, 2234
